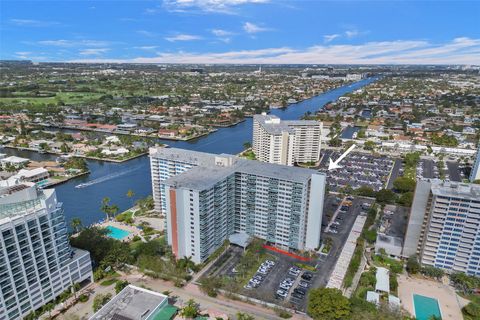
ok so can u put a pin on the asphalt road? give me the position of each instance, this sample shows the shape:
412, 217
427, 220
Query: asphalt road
397, 165
428, 166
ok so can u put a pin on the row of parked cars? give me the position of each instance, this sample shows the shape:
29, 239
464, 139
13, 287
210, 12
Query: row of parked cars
298, 293
261, 274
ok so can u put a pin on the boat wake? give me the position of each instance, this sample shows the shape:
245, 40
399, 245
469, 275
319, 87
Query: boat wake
106, 178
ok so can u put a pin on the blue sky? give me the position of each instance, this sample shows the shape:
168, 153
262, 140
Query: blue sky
242, 31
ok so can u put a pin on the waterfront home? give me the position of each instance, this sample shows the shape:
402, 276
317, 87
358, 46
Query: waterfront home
115, 151
32, 175
14, 161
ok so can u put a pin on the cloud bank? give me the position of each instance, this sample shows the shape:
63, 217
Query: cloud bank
458, 51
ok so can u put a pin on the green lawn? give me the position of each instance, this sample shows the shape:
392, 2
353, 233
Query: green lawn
66, 97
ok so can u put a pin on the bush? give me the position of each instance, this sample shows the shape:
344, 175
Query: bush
370, 235
432, 272
471, 311
282, 313
413, 266
100, 300
83, 298
393, 282
120, 284
210, 285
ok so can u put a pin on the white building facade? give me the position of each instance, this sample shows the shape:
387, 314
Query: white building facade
475, 174
36, 261
444, 226
286, 142
219, 196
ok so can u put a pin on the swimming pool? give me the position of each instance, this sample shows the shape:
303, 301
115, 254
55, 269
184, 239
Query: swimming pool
425, 307
117, 233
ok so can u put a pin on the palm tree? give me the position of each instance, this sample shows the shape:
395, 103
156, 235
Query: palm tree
247, 145
106, 207
76, 225
186, 262
130, 195
75, 288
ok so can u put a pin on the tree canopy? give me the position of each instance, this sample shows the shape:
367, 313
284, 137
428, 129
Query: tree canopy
328, 304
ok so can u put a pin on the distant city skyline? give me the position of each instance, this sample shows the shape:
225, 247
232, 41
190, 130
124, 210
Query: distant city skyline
242, 31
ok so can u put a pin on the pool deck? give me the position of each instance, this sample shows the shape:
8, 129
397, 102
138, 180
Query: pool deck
449, 302
133, 230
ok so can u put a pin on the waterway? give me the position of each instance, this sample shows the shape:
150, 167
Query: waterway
113, 180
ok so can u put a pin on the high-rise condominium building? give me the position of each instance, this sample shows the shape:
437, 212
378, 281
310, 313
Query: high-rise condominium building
475, 174
207, 198
36, 260
286, 142
444, 226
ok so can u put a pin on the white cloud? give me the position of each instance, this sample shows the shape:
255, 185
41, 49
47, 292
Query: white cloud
146, 47
352, 33
253, 28
32, 23
93, 52
219, 6
221, 32
330, 37
457, 51
73, 43
183, 37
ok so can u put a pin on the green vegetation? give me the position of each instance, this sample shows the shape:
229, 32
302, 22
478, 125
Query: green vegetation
126, 217
444, 140
328, 304
359, 249
250, 155
77, 164
190, 310
282, 313
108, 282
305, 266
100, 300
464, 282
104, 251
413, 266
83, 298
244, 316
210, 285
120, 285
383, 260
327, 245
410, 161
404, 184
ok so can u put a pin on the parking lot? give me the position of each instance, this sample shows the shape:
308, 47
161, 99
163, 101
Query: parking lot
453, 171
358, 169
282, 280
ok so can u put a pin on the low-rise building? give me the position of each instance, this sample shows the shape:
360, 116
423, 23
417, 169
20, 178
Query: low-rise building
137, 303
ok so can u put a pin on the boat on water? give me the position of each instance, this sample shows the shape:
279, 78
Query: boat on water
291, 100
81, 185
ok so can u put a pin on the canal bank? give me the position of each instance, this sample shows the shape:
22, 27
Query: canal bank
113, 180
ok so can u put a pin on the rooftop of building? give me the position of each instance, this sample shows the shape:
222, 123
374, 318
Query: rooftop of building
455, 189
213, 168
275, 125
22, 198
133, 303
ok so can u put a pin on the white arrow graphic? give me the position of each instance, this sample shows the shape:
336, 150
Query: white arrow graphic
334, 165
